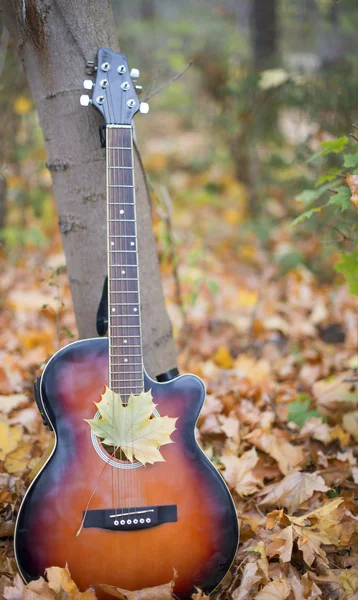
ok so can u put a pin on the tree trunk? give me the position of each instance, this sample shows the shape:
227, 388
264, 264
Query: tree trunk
265, 33
54, 38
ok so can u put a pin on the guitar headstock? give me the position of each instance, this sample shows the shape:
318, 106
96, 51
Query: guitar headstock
114, 94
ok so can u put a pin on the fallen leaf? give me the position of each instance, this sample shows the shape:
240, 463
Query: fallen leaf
292, 490
334, 396
281, 543
33, 591
159, 592
130, 426
9, 437
349, 581
350, 424
230, 426
222, 358
17, 461
286, 455
275, 590
249, 579
239, 472
8, 403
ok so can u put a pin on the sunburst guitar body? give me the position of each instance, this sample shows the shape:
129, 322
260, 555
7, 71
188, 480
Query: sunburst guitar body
199, 544
121, 501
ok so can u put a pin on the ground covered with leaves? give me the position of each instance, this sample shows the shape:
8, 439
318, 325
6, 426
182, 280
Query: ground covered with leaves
277, 349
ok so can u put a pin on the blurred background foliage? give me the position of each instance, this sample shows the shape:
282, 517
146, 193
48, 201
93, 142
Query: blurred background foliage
233, 148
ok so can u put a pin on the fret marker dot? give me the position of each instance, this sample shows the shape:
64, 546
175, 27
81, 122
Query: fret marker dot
123, 272
125, 341
113, 310
126, 360
121, 212
132, 243
135, 309
112, 243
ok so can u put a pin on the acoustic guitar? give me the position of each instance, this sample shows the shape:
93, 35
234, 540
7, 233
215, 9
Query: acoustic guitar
127, 496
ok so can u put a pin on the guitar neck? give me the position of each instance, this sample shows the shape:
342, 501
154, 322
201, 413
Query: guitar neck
125, 337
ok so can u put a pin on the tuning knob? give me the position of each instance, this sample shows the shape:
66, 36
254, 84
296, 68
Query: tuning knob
90, 67
85, 100
139, 89
134, 73
88, 84
144, 108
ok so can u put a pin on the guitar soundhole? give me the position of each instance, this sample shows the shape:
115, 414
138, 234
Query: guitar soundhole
118, 454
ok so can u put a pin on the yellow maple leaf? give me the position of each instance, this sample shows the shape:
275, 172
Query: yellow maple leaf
132, 426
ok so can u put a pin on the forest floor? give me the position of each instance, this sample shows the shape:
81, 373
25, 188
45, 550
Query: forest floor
278, 354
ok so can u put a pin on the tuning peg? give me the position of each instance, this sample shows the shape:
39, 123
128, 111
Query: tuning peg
134, 73
90, 67
139, 89
85, 100
88, 84
144, 108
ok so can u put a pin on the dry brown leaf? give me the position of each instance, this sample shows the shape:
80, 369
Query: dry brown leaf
249, 580
350, 424
321, 526
60, 579
239, 472
33, 591
9, 437
159, 592
222, 358
230, 426
8, 403
349, 581
18, 460
352, 181
334, 397
286, 455
316, 429
292, 490
281, 544
275, 590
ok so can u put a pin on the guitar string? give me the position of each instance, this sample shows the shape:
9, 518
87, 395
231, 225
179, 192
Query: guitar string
108, 160
113, 358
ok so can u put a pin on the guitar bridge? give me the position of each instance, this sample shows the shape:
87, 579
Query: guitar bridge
130, 519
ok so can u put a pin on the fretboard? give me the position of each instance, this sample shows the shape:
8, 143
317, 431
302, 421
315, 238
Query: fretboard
125, 338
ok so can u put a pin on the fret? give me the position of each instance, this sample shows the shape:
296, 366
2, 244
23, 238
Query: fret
119, 185
122, 236
123, 278
120, 167
132, 356
125, 345
121, 203
125, 303
124, 220
118, 148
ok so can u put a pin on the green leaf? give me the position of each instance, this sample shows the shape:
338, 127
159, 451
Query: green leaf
298, 411
350, 160
348, 266
341, 199
329, 176
309, 196
305, 216
334, 146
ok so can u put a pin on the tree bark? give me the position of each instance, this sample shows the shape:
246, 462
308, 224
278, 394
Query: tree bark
264, 33
54, 38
